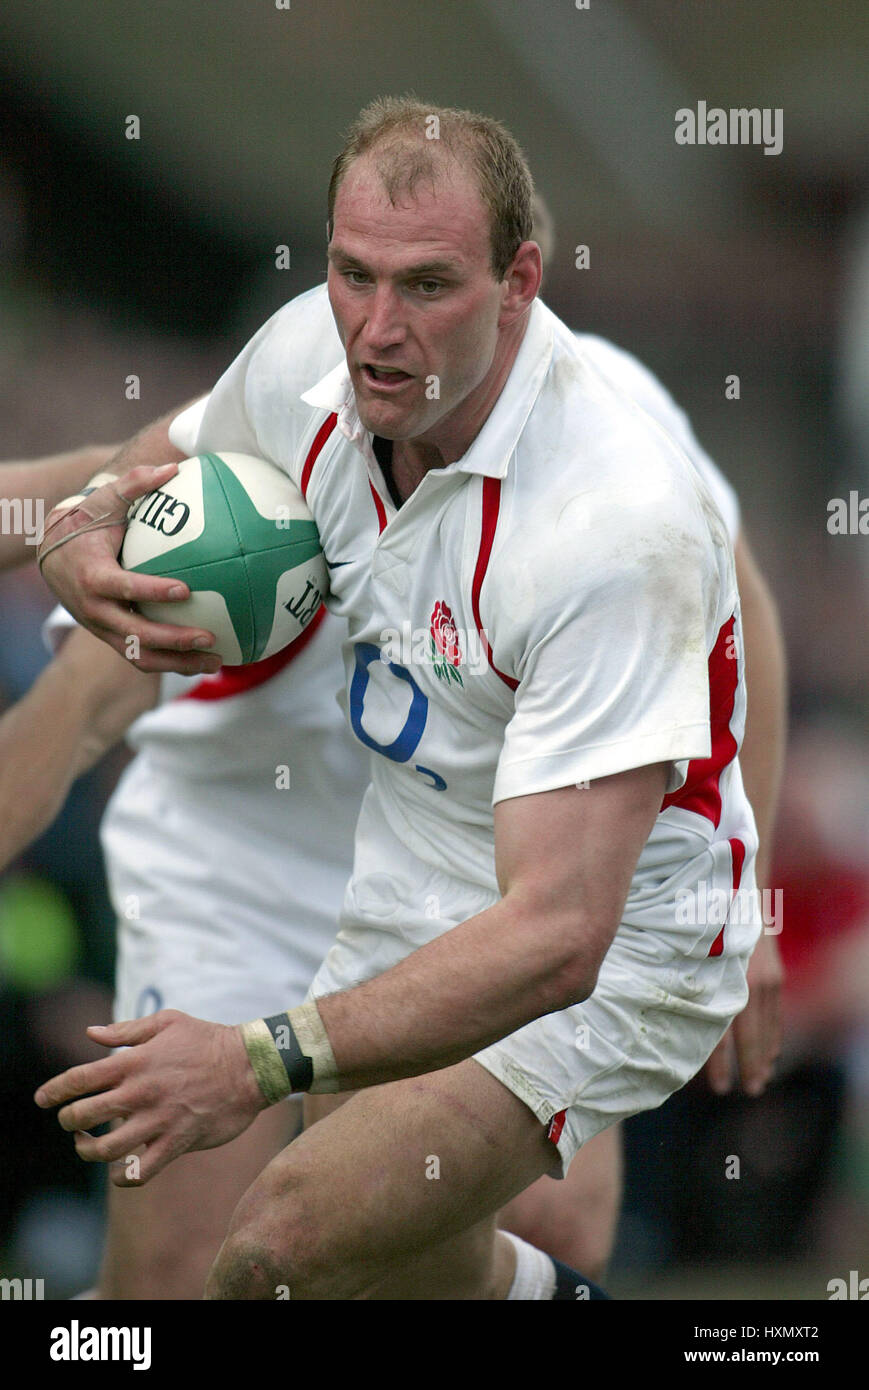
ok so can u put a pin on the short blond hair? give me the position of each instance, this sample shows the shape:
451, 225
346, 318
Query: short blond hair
397, 129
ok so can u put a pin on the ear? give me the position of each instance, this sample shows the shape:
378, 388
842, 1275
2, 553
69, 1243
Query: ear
521, 283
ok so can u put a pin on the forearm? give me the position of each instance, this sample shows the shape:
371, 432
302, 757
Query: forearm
119, 694
473, 985
564, 861
30, 490
151, 446
82, 704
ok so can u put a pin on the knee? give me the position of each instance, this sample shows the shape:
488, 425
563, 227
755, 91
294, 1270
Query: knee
243, 1269
279, 1247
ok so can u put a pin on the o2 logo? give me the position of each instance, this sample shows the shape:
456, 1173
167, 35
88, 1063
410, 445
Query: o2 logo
150, 1001
403, 747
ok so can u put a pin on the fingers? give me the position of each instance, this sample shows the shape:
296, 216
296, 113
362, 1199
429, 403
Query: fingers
81, 1081
145, 645
131, 1031
758, 1040
96, 1110
156, 1157
87, 578
110, 581
758, 1029
134, 1152
755, 1066
183, 664
120, 1143
143, 478
150, 646
719, 1068
128, 645
163, 637
754, 1040
166, 1087
95, 1077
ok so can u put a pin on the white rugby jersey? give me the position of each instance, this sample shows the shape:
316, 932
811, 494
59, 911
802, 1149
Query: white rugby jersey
556, 606
629, 375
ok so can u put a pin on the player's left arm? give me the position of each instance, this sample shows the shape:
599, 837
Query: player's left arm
30, 489
754, 1038
565, 860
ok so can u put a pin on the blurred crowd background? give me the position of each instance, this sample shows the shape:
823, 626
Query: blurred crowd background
155, 257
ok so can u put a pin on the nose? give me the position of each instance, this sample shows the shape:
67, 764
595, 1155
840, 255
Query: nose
384, 325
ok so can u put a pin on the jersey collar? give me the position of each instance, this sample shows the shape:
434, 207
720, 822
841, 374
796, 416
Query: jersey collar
493, 447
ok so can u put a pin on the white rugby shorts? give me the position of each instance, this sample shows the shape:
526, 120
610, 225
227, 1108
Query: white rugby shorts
213, 916
655, 1015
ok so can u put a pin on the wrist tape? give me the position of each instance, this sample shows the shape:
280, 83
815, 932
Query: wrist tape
69, 504
98, 480
291, 1052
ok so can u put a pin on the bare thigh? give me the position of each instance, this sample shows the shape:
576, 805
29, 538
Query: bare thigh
163, 1238
396, 1189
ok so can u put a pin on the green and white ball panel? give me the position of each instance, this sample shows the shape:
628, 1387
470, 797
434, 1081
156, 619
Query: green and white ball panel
163, 521
237, 530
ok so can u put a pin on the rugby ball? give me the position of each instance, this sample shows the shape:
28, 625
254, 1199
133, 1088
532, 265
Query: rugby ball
237, 530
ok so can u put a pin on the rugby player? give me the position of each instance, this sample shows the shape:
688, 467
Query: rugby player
425, 275
268, 903
211, 754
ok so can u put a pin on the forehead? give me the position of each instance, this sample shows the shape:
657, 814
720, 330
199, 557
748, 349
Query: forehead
444, 217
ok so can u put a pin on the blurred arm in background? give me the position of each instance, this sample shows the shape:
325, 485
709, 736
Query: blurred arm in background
81, 705
46, 481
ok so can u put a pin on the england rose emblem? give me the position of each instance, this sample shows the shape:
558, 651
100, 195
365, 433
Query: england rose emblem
446, 651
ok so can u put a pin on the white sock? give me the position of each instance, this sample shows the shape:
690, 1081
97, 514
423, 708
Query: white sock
535, 1272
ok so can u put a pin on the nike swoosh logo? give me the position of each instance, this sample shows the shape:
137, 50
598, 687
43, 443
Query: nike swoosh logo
336, 564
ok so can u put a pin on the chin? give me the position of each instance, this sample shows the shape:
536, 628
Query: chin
389, 423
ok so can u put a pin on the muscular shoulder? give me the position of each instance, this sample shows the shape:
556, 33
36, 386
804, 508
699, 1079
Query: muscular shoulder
296, 349
596, 472
600, 503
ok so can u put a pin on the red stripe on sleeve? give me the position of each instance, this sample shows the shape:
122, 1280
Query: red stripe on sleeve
491, 507
701, 792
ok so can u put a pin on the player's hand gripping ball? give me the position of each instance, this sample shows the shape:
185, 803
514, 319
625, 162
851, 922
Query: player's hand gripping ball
237, 530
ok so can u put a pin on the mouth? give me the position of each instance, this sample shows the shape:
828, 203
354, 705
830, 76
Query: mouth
384, 378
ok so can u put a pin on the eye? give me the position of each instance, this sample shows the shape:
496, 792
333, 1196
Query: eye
355, 277
429, 287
